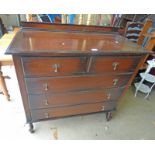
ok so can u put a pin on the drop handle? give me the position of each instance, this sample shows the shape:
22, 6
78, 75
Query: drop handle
115, 81
45, 102
45, 86
56, 67
103, 108
115, 65
108, 96
46, 115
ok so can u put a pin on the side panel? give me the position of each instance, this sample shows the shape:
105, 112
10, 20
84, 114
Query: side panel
22, 86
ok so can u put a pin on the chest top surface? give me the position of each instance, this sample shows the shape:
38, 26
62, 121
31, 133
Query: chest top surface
33, 42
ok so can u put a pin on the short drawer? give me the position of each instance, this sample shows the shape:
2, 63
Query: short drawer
74, 83
38, 66
114, 64
73, 98
71, 110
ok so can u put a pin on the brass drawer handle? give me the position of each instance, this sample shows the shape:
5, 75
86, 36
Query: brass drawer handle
115, 82
108, 96
45, 102
115, 65
46, 115
56, 67
45, 86
103, 108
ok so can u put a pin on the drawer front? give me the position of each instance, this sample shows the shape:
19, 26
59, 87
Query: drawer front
114, 64
74, 98
37, 66
70, 110
75, 83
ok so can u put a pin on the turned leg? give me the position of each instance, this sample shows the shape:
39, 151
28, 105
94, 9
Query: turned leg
31, 128
108, 115
3, 86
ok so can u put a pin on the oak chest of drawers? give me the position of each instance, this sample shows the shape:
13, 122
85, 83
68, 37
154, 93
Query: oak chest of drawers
68, 73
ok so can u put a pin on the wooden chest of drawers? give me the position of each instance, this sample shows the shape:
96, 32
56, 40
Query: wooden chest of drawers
67, 73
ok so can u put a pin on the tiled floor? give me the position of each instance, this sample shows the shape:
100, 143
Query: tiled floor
134, 119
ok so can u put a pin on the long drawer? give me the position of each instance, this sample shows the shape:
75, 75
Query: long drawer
74, 83
114, 64
73, 98
71, 110
39, 66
